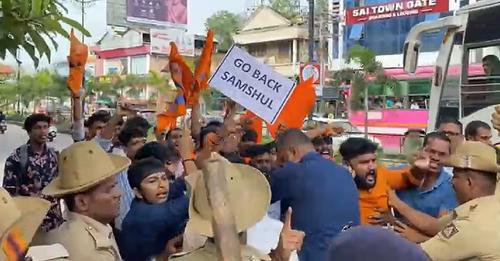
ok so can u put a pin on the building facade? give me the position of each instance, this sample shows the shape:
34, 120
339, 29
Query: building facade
275, 40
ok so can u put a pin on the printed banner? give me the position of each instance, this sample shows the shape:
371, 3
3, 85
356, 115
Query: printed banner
158, 12
160, 41
395, 9
252, 84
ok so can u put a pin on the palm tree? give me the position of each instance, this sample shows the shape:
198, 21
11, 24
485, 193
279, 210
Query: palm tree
369, 67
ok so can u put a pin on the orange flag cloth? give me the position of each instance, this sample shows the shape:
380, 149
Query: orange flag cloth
180, 72
202, 71
78, 54
296, 109
165, 121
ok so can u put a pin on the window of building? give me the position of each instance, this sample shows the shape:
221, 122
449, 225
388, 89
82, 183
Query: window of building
285, 51
138, 65
146, 38
258, 50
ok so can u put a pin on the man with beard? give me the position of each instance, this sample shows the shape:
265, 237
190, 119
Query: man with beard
372, 180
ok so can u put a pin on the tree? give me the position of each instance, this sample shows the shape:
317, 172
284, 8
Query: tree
31, 24
321, 7
359, 79
287, 8
224, 24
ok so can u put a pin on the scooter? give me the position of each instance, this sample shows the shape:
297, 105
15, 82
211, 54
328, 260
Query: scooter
3, 127
52, 133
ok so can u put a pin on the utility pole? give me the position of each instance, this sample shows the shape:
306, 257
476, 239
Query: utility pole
311, 42
311, 30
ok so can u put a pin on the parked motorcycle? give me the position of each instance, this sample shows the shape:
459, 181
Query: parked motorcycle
3, 127
52, 133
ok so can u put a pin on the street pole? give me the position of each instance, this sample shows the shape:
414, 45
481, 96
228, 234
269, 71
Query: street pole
311, 41
311, 30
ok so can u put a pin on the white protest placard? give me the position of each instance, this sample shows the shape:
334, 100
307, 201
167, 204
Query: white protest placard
252, 84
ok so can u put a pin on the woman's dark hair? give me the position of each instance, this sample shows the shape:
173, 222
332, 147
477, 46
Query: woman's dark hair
473, 126
161, 152
354, 147
34, 119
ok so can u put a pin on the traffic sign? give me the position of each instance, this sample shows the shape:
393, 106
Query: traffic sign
310, 70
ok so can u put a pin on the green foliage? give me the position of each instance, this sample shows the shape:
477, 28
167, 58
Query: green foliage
369, 68
32, 25
286, 8
321, 7
224, 24
34, 88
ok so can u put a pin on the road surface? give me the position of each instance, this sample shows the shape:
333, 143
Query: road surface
16, 136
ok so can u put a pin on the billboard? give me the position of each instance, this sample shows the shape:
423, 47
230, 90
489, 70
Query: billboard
364, 14
160, 41
168, 13
126, 13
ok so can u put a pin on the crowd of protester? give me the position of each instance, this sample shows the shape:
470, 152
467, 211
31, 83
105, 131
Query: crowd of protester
124, 192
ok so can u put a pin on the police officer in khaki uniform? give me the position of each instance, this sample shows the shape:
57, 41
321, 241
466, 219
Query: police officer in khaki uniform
249, 196
472, 230
19, 220
87, 182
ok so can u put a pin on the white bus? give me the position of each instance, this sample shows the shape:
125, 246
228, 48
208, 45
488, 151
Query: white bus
473, 36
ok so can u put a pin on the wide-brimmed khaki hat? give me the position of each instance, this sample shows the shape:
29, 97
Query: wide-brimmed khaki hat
82, 166
249, 197
475, 155
20, 217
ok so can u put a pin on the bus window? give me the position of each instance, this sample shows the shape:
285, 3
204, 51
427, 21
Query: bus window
448, 107
481, 85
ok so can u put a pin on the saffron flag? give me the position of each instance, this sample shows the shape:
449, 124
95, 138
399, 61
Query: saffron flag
78, 54
165, 121
202, 71
183, 79
296, 109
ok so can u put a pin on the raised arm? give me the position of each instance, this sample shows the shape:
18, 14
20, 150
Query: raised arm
78, 131
195, 121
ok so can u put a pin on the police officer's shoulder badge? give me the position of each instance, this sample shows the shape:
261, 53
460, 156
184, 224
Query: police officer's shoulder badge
449, 231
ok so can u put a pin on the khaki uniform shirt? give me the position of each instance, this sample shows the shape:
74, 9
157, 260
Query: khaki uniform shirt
209, 253
471, 233
85, 239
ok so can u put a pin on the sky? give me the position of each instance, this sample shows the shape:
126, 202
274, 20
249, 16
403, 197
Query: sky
198, 12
